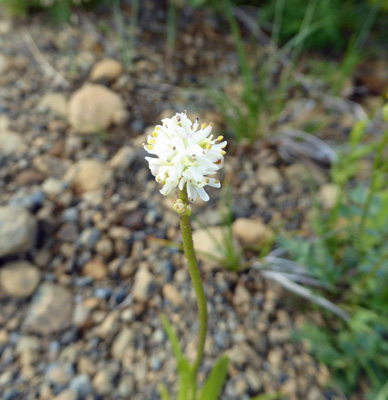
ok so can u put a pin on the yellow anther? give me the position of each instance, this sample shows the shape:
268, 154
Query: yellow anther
220, 138
150, 147
223, 152
209, 146
223, 146
216, 181
207, 180
211, 124
157, 128
154, 134
203, 126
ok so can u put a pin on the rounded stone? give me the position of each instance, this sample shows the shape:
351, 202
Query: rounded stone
18, 228
19, 279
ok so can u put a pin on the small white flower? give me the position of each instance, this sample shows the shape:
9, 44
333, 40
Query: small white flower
186, 155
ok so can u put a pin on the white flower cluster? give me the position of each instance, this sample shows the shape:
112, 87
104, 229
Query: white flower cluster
186, 155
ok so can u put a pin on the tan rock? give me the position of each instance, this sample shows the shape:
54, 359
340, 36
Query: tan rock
241, 296
251, 231
5, 63
299, 174
144, 284
124, 158
67, 394
208, 244
55, 103
88, 175
94, 108
121, 342
170, 292
11, 143
96, 268
19, 278
328, 195
269, 176
108, 69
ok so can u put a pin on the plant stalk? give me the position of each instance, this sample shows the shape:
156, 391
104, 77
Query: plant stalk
188, 246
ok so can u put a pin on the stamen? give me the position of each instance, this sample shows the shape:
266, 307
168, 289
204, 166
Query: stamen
150, 147
223, 152
203, 126
154, 134
220, 138
211, 124
207, 180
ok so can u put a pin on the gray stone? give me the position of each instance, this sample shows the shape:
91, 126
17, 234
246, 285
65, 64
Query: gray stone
89, 237
51, 310
59, 374
82, 385
18, 230
19, 278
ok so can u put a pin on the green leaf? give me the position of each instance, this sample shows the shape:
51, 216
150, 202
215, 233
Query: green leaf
383, 394
187, 380
269, 396
173, 339
215, 382
164, 394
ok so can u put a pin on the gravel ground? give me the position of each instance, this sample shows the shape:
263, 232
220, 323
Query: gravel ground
84, 277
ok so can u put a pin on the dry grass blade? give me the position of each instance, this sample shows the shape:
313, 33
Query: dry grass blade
45, 65
293, 144
300, 290
287, 273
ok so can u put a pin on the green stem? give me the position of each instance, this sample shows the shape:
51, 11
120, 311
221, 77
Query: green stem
373, 185
188, 246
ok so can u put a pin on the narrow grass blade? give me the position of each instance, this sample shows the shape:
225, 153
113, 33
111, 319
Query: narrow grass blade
164, 393
173, 339
212, 388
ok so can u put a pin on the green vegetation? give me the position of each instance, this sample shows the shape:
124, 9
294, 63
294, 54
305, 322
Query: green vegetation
187, 390
59, 9
349, 257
